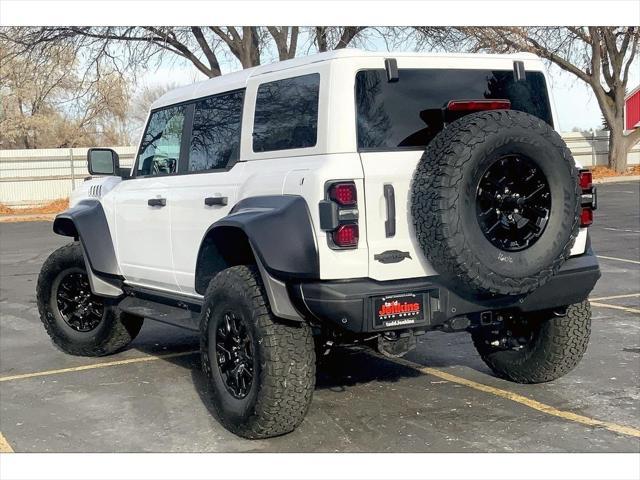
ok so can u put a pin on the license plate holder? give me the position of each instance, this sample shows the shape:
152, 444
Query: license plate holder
399, 310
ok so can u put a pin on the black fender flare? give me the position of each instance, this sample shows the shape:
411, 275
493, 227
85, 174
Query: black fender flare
280, 232
87, 222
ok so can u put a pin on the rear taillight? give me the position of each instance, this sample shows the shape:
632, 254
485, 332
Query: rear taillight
344, 194
346, 235
586, 217
339, 215
588, 197
586, 179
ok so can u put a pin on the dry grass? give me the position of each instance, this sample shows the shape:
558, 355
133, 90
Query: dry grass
4, 210
604, 172
27, 218
56, 206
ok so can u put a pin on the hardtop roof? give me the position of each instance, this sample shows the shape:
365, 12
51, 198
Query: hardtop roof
237, 80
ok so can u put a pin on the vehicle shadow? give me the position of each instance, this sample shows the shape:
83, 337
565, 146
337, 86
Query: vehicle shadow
343, 368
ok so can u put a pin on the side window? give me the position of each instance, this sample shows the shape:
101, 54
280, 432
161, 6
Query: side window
215, 140
160, 148
286, 114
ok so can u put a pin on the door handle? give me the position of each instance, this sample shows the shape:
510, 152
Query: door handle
390, 199
211, 201
157, 202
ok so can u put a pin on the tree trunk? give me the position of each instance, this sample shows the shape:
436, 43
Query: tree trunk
617, 149
321, 38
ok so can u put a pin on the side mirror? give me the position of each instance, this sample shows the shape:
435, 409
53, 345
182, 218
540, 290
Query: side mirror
103, 161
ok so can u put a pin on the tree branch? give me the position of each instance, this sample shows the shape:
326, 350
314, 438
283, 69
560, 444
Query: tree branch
208, 52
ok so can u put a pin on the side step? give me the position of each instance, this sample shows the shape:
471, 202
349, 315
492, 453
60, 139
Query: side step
171, 309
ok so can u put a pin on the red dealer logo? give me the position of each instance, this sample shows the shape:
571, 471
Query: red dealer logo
395, 308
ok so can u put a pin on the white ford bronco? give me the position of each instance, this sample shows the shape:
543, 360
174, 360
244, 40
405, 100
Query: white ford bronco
337, 199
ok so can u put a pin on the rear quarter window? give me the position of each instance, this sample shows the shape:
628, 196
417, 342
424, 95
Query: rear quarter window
286, 114
409, 113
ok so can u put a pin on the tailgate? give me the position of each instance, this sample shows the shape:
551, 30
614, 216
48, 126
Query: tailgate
392, 255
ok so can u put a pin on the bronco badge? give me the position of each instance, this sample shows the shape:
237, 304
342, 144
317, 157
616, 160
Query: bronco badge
391, 256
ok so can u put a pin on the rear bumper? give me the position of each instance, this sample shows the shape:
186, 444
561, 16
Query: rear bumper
349, 303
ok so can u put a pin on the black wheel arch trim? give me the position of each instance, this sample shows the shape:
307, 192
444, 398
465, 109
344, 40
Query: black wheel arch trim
280, 232
87, 222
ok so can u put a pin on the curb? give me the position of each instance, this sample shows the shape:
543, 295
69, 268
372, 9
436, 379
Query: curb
621, 178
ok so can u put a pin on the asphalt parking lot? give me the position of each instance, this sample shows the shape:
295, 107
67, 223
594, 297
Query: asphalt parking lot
153, 397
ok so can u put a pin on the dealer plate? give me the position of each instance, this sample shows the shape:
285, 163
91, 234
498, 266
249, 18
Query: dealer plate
399, 310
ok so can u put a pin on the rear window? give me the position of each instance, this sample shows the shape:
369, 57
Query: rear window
409, 113
286, 114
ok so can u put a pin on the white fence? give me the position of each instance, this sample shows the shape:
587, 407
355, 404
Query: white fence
35, 177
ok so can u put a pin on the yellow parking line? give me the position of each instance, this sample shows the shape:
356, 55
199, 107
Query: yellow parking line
528, 402
149, 358
619, 259
612, 297
5, 447
615, 307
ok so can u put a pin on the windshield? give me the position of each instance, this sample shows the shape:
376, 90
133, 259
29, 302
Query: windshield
409, 113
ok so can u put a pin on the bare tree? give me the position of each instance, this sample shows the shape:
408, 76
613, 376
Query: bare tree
45, 103
129, 48
245, 47
600, 56
286, 40
333, 38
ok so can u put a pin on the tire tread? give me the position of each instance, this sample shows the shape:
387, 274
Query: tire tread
559, 347
288, 366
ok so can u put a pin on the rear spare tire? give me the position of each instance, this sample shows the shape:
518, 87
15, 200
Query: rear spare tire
496, 203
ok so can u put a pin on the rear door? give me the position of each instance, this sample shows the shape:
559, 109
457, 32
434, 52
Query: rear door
209, 187
395, 122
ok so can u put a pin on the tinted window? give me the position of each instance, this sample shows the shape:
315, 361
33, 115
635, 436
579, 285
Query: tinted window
215, 140
409, 113
286, 114
160, 148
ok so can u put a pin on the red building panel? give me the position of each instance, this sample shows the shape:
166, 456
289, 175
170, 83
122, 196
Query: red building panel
632, 110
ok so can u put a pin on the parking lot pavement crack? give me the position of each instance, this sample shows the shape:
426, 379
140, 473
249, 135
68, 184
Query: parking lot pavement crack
528, 402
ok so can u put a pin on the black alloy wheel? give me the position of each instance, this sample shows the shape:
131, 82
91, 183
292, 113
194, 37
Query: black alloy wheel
513, 203
234, 355
77, 305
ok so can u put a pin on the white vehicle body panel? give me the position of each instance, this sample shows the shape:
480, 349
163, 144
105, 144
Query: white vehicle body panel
158, 247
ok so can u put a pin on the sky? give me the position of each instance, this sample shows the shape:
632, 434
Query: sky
575, 102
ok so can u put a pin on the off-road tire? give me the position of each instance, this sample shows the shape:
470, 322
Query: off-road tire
443, 203
115, 330
557, 347
284, 353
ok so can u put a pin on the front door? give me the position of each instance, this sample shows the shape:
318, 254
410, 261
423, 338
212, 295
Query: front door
143, 204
